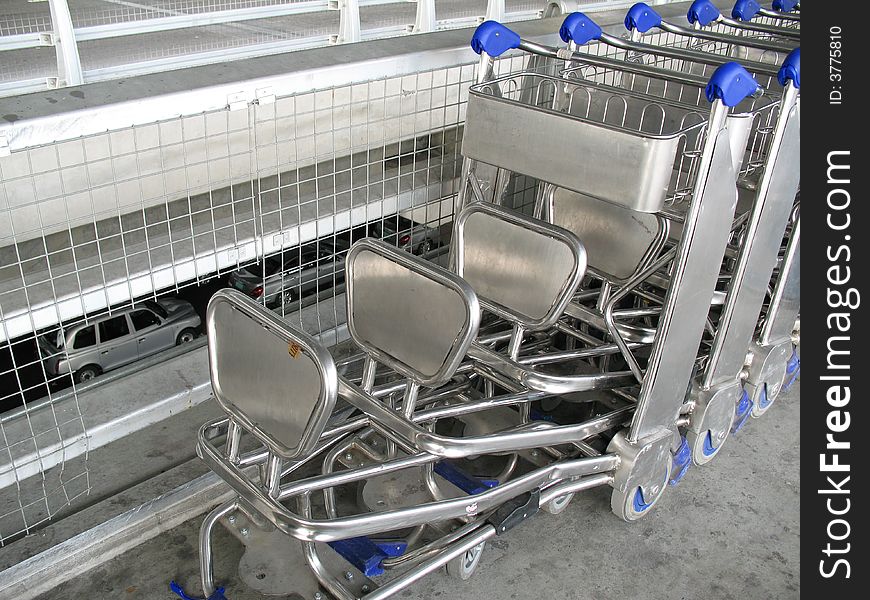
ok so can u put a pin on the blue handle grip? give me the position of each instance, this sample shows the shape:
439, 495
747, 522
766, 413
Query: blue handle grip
731, 84
642, 17
784, 5
494, 38
791, 69
703, 12
579, 28
744, 10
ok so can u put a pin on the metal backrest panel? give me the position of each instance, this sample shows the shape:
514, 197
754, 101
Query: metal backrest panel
409, 314
276, 382
615, 238
522, 269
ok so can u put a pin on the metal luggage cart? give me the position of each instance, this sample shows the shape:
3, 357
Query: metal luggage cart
718, 402
503, 111
279, 389
646, 25
747, 19
703, 15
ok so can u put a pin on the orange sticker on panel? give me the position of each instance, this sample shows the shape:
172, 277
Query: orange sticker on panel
293, 348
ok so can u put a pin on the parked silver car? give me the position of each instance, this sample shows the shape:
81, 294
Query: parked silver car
109, 342
406, 234
286, 277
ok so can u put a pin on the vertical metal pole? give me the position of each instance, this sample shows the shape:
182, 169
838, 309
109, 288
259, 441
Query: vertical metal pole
495, 10
348, 21
425, 20
409, 403
69, 66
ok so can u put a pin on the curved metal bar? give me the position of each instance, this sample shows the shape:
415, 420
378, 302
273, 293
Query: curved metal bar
760, 27
492, 361
308, 529
713, 36
205, 555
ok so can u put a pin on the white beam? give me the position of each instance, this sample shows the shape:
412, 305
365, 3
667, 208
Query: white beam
69, 66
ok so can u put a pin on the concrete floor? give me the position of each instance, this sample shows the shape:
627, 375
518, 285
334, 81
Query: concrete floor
730, 530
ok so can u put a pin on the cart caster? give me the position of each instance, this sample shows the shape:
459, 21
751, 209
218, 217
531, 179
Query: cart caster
763, 400
768, 371
463, 566
681, 462
712, 419
557, 505
643, 473
792, 371
742, 412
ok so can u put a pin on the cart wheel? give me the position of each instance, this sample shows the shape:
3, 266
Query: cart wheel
705, 446
286, 298
463, 566
557, 505
762, 402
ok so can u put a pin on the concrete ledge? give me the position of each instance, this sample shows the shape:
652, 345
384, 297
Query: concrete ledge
89, 549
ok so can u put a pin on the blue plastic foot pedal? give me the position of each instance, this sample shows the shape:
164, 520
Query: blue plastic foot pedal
792, 370
537, 415
366, 555
467, 483
682, 460
179, 591
741, 412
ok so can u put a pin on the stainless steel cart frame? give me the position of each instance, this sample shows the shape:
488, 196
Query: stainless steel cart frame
669, 368
718, 393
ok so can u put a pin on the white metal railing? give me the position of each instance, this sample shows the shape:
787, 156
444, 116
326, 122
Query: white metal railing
67, 33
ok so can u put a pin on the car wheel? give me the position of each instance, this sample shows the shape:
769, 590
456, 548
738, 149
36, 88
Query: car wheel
424, 247
87, 373
186, 336
287, 297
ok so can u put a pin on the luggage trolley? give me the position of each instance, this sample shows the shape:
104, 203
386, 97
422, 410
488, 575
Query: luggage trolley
501, 112
773, 179
642, 22
746, 19
773, 195
783, 14
279, 389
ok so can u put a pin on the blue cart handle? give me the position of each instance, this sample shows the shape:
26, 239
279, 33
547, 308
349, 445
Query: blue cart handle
791, 69
642, 17
494, 38
703, 12
731, 83
785, 5
579, 28
744, 10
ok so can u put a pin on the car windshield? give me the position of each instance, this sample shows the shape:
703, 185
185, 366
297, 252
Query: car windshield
161, 312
